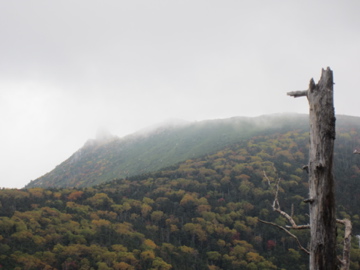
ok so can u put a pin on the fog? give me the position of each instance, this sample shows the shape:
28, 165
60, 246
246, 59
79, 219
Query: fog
70, 68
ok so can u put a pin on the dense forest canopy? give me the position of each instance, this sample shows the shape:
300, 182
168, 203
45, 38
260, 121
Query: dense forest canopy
201, 213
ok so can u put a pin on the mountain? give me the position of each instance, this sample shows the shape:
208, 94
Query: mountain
201, 213
109, 157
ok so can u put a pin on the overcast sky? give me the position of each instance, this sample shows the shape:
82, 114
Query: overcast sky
68, 68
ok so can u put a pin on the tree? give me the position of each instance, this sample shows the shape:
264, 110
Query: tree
321, 182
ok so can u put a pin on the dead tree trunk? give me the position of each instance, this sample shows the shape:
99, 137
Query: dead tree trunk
321, 181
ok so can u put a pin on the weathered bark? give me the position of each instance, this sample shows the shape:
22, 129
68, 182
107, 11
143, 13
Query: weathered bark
321, 181
322, 210
345, 261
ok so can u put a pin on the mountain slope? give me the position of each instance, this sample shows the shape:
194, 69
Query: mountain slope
198, 214
100, 161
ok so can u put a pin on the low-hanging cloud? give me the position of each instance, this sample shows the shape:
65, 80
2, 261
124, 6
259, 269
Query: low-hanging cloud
69, 68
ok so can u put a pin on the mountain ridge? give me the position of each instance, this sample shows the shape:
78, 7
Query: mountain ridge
149, 150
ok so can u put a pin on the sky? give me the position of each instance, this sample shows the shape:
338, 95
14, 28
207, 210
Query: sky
70, 68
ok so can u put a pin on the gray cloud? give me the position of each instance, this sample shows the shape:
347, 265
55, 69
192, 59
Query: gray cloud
68, 68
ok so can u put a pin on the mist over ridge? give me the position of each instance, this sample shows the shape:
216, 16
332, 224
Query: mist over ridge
159, 146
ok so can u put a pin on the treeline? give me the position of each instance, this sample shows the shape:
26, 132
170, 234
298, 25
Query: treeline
200, 214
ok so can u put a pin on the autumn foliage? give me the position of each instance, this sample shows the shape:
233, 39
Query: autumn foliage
199, 214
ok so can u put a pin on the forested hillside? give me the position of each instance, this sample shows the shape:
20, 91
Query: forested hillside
198, 214
101, 161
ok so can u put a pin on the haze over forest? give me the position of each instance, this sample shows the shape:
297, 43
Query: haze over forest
199, 213
68, 69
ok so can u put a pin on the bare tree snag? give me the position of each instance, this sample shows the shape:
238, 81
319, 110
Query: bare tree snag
276, 208
345, 261
321, 181
288, 232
